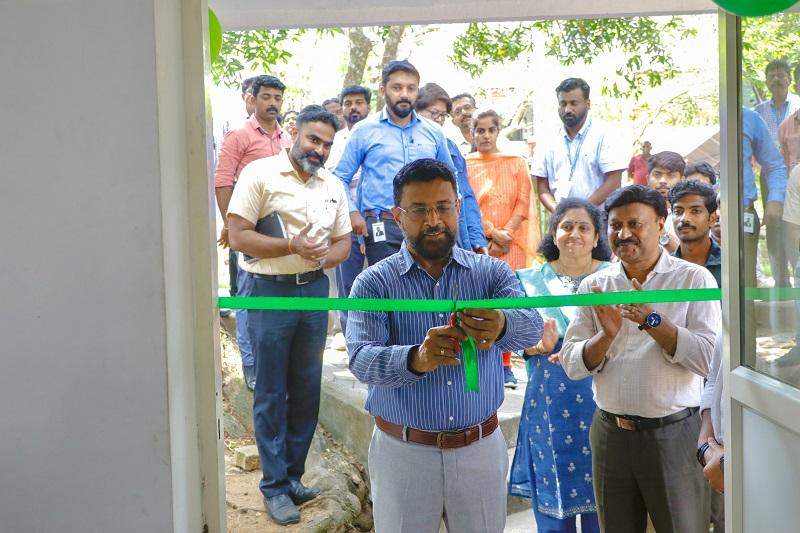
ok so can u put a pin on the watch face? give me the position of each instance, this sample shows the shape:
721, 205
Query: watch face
653, 319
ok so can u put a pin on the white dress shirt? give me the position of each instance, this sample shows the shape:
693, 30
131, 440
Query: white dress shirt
637, 377
576, 168
712, 393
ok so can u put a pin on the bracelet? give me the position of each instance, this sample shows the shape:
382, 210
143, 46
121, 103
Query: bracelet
289, 246
701, 454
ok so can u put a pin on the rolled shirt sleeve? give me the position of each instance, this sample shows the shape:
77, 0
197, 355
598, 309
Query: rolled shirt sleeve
524, 327
582, 328
229, 157
695, 345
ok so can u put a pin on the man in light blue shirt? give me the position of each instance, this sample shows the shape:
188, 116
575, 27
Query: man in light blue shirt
774, 111
380, 146
436, 446
582, 161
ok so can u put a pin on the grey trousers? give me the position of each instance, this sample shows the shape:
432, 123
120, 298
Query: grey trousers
653, 472
415, 486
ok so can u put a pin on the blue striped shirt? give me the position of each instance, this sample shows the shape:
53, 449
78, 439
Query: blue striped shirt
379, 343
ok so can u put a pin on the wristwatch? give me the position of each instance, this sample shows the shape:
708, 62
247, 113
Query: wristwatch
653, 320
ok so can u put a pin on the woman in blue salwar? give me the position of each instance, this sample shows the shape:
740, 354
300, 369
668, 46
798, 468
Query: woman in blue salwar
553, 464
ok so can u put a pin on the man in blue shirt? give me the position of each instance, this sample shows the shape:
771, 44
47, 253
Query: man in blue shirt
436, 451
434, 104
380, 146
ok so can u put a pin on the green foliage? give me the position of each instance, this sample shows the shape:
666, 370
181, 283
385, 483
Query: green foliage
765, 39
643, 41
482, 45
257, 50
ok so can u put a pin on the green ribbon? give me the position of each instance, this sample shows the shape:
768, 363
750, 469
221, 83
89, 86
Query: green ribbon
445, 306
470, 361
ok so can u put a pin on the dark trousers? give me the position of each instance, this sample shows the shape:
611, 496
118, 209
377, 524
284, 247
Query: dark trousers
288, 346
381, 250
653, 472
233, 271
346, 274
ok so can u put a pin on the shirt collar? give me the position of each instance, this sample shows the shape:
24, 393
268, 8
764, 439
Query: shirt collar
714, 254
384, 117
407, 260
662, 266
256, 126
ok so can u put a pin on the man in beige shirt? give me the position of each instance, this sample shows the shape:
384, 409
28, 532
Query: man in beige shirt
648, 363
290, 216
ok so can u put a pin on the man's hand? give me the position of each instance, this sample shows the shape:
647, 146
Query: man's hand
483, 325
712, 471
436, 350
636, 313
609, 316
481, 250
358, 223
306, 248
773, 213
223, 237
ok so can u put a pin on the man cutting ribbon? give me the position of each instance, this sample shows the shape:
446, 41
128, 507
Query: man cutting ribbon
436, 452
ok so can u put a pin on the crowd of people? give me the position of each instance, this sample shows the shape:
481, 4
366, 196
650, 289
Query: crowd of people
621, 417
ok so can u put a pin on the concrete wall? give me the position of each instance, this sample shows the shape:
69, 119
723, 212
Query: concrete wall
102, 412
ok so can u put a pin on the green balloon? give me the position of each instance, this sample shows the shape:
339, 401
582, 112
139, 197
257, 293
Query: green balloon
754, 8
214, 35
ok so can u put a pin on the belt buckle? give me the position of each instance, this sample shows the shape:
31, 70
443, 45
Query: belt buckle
299, 278
439, 440
626, 424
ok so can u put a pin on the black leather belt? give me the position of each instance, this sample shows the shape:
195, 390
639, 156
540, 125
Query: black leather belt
387, 215
638, 423
293, 279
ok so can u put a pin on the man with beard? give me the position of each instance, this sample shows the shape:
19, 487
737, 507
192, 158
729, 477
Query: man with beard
648, 362
291, 216
436, 452
262, 136
379, 147
694, 212
583, 162
664, 171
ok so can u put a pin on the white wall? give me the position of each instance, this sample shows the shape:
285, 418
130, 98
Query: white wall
96, 356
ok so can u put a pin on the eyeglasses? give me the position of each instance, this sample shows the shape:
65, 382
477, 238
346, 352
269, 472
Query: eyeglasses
436, 115
421, 212
463, 109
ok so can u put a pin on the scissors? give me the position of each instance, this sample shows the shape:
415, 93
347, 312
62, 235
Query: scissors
453, 321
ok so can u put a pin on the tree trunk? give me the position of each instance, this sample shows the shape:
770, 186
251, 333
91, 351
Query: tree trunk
391, 43
360, 47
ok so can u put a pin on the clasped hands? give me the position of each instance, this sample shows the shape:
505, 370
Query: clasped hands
442, 343
611, 316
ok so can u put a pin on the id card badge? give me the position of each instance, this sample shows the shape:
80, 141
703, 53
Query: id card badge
749, 223
378, 232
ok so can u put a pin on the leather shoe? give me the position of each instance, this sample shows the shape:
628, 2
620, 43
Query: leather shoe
249, 376
281, 509
300, 494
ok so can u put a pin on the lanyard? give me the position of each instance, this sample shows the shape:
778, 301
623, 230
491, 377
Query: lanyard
574, 162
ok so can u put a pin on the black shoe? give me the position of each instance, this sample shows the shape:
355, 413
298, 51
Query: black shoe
281, 509
301, 494
249, 376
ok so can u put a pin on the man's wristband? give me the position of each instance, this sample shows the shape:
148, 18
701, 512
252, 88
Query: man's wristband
701, 453
289, 246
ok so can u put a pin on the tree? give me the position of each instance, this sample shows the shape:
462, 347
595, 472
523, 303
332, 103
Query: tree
642, 40
765, 39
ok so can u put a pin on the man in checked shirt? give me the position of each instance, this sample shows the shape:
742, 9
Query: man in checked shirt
647, 363
436, 452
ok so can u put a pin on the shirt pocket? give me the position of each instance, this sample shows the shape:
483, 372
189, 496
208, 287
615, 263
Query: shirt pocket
421, 150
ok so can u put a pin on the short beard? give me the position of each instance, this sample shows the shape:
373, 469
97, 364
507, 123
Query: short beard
398, 112
302, 160
438, 251
572, 122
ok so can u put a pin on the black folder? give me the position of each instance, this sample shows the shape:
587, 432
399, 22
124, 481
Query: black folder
272, 226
